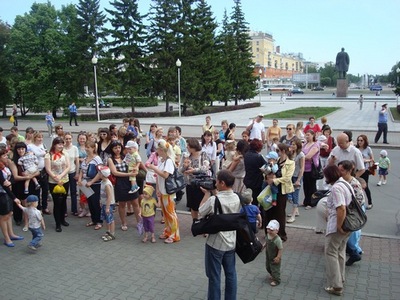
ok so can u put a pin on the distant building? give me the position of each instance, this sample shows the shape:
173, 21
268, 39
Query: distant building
276, 67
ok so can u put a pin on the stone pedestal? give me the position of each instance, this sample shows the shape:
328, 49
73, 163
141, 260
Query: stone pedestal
341, 88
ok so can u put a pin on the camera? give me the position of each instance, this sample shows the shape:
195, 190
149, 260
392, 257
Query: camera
200, 179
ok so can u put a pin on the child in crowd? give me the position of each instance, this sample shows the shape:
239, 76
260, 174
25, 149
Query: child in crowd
274, 144
384, 167
107, 202
274, 253
148, 206
270, 168
205, 168
36, 221
50, 122
132, 159
252, 211
29, 162
187, 163
246, 136
230, 150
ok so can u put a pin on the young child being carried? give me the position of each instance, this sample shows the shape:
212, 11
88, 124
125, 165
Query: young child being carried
148, 212
132, 159
29, 162
107, 202
36, 221
230, 150
252, 211
270, 169
273, 254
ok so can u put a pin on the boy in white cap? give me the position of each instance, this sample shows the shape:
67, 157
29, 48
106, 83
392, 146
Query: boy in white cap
384, 167
133, 160
107, 202
148, 212
35, 219
274, 253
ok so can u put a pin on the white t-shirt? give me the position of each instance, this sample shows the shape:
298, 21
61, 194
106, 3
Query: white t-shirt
73, 154
256, 130
40, 152
167, 166
103, 194
34, 216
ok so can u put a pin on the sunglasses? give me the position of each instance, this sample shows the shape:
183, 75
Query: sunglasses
288, 128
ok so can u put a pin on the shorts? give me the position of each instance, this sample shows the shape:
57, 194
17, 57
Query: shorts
148, 224
109, 218
383, 171
6, 205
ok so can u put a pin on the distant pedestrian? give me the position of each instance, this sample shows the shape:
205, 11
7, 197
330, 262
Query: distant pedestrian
73, 112
50, 123
384, 167
375, 105
382, 124
361, 101
273, 253
15, 114
36, 221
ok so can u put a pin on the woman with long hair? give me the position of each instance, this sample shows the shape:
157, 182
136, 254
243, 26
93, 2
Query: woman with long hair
253, 161
57, 167
368, 156
73, 173
210, 147
119, 168
103, 146
237, 166
166, 167
311, 152
81, 145
90, 177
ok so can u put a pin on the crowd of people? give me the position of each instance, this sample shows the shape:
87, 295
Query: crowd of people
103, 172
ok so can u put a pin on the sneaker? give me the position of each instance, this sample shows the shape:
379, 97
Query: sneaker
135, 188
384, 182
352, 260
291, 220
26, 192
140, 228
379, 183
32, 247
370, 206
25, 228
37, 187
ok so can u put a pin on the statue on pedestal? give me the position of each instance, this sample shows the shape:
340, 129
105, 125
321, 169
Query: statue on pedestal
342, 63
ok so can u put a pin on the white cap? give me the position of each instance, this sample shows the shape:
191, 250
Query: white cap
273, 225
104, 170
383, 153
131, 144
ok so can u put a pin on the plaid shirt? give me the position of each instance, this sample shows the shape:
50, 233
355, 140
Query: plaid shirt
29, 160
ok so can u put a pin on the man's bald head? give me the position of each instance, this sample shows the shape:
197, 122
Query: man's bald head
343, 140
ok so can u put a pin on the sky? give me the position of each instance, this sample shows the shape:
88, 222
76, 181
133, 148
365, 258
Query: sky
367, 29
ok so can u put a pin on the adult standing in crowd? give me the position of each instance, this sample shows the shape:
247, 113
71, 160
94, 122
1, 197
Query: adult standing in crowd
312, 125
152, 146
283, 181
209, 147
73, 112
29, 135
103, 146
224, 125
166, 166
299, 132
289, 137
237, 166
6, 202
382, 124
311, 152
119, 168
59, 130
336, 238
327, 146
208, 126
38, 148
150, 135
73, 173
89, 177
257, 128
82, 139
368, 157
253, 161
220, 247
230, 132
273, 131
197, 158
57, 167
3, 140
297, 179
15, 114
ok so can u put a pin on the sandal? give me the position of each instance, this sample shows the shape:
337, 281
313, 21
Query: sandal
90, 224
273, 283
98, 226
163, 236
108, 237
124, 227
144, 240
153, 239
169, 240
334, 291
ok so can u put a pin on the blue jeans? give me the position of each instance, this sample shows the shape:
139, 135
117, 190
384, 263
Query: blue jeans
353, 248
294, 197
213, 260
37, 235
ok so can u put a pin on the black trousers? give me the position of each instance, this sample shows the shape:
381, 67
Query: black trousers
382, 128
72, 116
309, 187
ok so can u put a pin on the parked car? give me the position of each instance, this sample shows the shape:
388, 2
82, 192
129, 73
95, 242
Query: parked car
297, 90
317, 88
101, 104
375, 87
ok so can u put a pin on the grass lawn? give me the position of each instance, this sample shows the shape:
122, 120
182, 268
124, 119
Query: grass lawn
395, 114
302, 113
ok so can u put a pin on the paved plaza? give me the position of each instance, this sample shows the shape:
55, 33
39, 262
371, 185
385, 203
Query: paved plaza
77, 264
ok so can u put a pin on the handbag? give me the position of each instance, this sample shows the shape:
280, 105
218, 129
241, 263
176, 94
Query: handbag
91, 171
318, 195
248, 246
218, 221
372, 168
355, 216
316, 172
12, 119
175, 182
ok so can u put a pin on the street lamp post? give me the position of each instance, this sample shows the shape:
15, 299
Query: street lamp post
397, 97
179, 64
96, 95
260, 85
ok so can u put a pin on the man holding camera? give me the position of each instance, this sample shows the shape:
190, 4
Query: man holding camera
220, 247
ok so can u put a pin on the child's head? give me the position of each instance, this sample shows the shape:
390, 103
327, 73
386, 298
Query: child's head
272, 157
148, 192
273, 227
230, 145
206, 164
104, 171
275, 140
362, 182
131, 147
247, 196
245, 135
383, 153
32, 200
